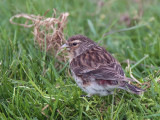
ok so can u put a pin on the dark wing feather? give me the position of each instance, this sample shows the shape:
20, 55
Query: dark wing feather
116, 66
99, 64
104, 73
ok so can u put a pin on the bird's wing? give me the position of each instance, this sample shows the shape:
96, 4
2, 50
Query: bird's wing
99, 64
117, 67
104, 73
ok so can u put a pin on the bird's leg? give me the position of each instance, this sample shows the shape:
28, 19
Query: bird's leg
83, 95
89, 95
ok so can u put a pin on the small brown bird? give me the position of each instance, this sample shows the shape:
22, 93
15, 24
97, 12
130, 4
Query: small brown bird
94, 69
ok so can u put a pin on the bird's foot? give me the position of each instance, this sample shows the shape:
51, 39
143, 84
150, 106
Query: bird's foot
89, 95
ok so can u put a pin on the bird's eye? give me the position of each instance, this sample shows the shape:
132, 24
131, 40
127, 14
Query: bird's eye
74, 44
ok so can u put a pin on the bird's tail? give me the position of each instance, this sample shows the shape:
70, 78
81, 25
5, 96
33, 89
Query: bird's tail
132, 88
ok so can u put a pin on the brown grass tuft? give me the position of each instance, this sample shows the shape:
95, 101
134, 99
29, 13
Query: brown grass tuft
48, 32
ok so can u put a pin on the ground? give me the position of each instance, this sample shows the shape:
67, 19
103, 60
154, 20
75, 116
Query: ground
32, 88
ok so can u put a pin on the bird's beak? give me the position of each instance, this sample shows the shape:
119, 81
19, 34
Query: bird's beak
64, 46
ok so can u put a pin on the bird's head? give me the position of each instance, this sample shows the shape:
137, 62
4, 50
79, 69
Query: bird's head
78, 44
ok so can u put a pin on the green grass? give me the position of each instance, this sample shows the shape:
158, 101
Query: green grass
29, 81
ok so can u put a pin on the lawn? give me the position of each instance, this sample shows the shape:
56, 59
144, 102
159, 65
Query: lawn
31, 88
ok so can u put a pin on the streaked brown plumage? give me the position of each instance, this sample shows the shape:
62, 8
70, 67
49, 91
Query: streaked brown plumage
94, 69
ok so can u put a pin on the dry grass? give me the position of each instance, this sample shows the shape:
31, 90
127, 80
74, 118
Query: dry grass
48, 32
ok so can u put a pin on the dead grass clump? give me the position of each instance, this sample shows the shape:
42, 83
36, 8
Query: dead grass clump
48, 32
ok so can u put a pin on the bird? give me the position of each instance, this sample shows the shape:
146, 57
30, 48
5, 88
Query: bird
94, 69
